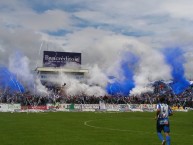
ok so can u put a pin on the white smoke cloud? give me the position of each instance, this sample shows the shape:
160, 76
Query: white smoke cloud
103, 63
39, 88
105, 59
188, 65
100, 34
75, 87
19, 65
97, 77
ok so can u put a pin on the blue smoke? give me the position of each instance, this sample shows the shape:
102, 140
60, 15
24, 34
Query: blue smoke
124, 86
174, 57
9, 82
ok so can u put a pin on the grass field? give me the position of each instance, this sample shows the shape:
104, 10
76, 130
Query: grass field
90, 128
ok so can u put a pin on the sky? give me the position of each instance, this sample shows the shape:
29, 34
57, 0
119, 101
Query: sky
102, 30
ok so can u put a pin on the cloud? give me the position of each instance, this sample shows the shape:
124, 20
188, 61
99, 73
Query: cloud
50, 20
179, 9
1, 49
101, 31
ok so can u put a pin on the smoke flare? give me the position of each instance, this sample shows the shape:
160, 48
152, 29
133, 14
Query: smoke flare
174, 57
9, 81
125, 84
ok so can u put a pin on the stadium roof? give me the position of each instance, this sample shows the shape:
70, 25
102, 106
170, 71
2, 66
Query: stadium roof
59, 69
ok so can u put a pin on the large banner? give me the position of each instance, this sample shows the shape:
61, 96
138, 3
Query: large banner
58, 59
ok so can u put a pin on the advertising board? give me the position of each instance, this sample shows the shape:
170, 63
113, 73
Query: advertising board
9, 107
58, 59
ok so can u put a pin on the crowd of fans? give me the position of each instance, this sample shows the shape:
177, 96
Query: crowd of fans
184, 99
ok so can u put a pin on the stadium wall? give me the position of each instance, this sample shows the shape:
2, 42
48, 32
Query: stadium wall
84, 107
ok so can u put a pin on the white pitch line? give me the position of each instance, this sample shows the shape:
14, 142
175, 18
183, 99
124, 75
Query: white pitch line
86, 123
113, 129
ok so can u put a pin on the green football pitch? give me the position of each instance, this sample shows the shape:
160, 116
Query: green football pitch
91, 128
